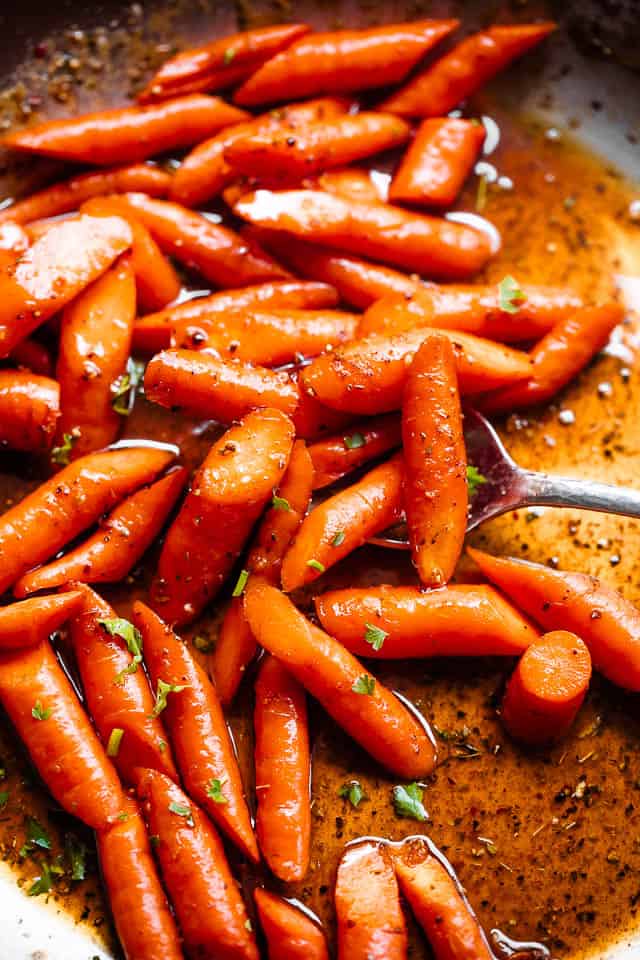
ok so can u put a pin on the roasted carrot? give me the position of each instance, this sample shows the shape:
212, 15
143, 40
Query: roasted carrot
439, 160
404, 622
28, 622
29, 410
210, 912
32, 355
235, 648
412, 241
227, 495
55, 270
338, 455
59, 509
355, 183
460, 73
127, 134
48, 718
559, 357
370, 921
141, 913
283, 772
563, 600
313, 419
343, 61
367, 710
13, 242
290, 933
344, 522
197, 730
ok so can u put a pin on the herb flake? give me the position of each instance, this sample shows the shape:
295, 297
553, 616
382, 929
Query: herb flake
375, 636
241, 583
354, 441
280, 503
338, 540
162, 692
214, 791
38, 712
61, 454
510, 296
364, 685
352, 791
475, 479
407, 801
181, 810
119, 627
114, 741
316, 565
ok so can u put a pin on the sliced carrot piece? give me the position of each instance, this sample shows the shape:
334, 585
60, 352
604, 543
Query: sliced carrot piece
338, 455
30, 621
290, 933
29, 410
34, 356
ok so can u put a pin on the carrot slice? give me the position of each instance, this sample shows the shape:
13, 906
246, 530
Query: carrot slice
34, 356
338, 455
290, 933
29, 410
198, 731
465, 69
367, 710
30, 621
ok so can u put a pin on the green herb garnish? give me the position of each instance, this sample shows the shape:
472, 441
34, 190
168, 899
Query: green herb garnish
364, 685
162, 692
375, 636
474, 479
408, 802
214, 791
38, 712
354, 441
510, 296
241, 583
61, 454
351, 791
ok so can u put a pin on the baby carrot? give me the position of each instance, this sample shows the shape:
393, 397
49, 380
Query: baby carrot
14, 240
235, 648
32, 355
563, 600
343, 61
30, 621
208, 906
355, 183
197, 730
344, 522
457, 621
283, 772
547, 688
62, 507
313, 419
119, 542
370, 921
460, 73
227, 495
439, 160
335, 456
127, 134
290, 933
367, 710
48, 718
29, 410
141, 913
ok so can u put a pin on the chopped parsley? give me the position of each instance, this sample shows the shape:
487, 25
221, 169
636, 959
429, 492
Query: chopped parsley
352, 791
43, 883
338, 540
354, 441
37, 836
4, 798
474, 479
114, 741
279, 503
214, 791
61, 454
228, 56
181, 810
364, 685
408, 802
76, 855
316, 565
203, 644
375, 636
241, 583
38, 712
125, 387
118, 627
162, 692
510, 296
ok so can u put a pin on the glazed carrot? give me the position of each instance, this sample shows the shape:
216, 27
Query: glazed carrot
32, 355
48, 718
413, 241
197, 730
343, 61
29, 410
283, 772
439, 160
141, 913
312, 419
563, 600
370, 921
465, 69
457, 621
119, 542
95, 342
355, 183
290, 933
367, 376
69, 194
127, 134
54, 271
13, 241
30, 621
438, 903
235, 649
367, 710
209, 909
62, 507
227, 495
221, 63
559, 357
338, 455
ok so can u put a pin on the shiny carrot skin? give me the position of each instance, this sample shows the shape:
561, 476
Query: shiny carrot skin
31, 355
344, 522
559, 357
412, 241
227, 495
354, 183
62, 507
235, 649
197, 730
563, 600
13, 239
370, 921
209, 909
95, 343
283, 772
456, 621
465, 69
313, 419
343, 61
29, 410
28, 622
290, 933
439, 160
376, 720
54, 270
62, 744
336, 456
128, 134
141, 913
110, 553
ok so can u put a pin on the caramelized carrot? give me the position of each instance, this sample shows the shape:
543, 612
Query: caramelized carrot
235, 648
13, 242
227, 495
367, 710
460, 73
355, 183
338, 455
32, 355
197, 730
29, 410
312, 419
290, 933
30, 621
210, 912
343, 61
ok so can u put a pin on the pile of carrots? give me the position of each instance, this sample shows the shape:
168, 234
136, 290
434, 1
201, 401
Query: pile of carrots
309, 394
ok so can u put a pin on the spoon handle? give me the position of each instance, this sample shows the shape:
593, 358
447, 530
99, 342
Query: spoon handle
541, 488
